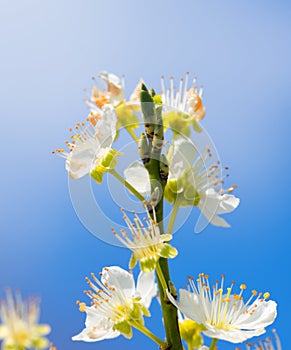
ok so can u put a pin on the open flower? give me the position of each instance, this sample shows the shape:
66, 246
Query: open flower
19, 328
145, 241
269, 343
183, 106
191, 180
90, 143
225, 315
114, 94
116, 304
115, 90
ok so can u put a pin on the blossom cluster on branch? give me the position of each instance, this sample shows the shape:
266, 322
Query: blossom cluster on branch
172, 169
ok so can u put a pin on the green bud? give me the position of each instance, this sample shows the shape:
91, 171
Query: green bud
164, 167
148, 110
144, 148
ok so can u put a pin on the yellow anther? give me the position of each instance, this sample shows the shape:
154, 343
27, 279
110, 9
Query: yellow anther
267, 295
82, 307
243, 286
254, 292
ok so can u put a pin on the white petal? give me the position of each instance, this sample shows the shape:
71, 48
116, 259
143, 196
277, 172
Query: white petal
120, 279
80, 160
232, 335
211, 217
146, 288
189, 305
181, 156
220, 204
106, 126
137, 175
111, 78
264, 315
135, 96
97, 327
115, 87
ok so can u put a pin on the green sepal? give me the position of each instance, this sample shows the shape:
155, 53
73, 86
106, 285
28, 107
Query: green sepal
179, 123
40, 343
126, 116
132, 261
136, 312
145, 311
196, 126
169, 195
190, 332
109, 161
168, 251
97, 175
191, 195
148, 264
124, 328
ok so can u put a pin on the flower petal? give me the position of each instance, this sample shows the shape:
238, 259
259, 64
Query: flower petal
80, 160
137, 175
146, 288
220, 204
265, 314
181, 156
232, 335
188, 305
212, 218
106, 126
120, 279
97, 327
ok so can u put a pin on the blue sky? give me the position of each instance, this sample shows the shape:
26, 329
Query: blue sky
240, 52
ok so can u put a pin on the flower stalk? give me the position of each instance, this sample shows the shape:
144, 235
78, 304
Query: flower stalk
149, 334
213, 344
127, 184
152, 116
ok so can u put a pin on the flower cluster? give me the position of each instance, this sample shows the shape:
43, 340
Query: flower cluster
172, 166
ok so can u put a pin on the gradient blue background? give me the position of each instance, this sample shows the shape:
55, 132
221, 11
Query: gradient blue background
240, 51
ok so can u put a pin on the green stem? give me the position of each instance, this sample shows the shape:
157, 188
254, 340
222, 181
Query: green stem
132, 134
161, 277
168, 309
149, 334
127, 184
174, 213
213, 344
